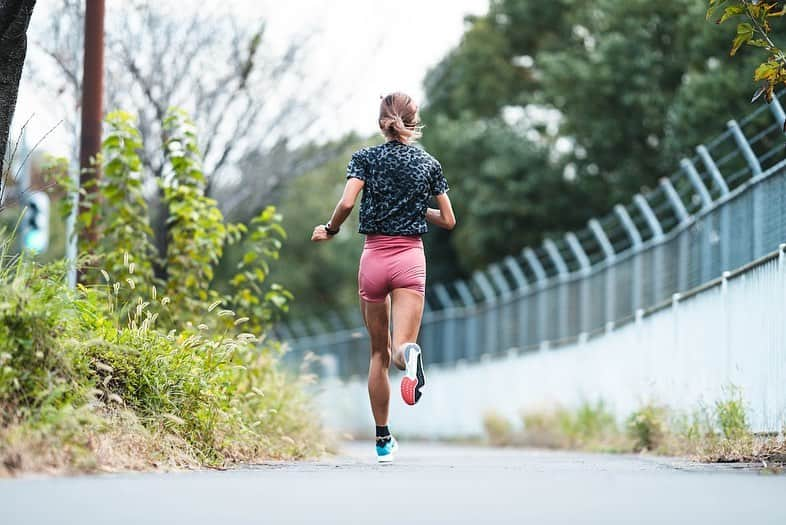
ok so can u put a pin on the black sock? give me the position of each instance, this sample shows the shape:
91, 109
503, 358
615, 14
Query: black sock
383, 432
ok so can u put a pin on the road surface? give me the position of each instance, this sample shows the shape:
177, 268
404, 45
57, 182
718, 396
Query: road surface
428, 484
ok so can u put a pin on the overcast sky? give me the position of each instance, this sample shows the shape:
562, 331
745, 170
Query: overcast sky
372, 47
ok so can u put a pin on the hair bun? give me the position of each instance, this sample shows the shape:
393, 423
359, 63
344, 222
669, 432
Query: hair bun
398, 118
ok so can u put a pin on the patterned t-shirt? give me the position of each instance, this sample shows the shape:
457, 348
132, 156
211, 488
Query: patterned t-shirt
399, 181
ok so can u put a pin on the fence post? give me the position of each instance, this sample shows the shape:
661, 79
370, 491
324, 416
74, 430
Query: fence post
649, 216
757, 212
499, 281
470, 340
745, 147
522, 299
725, 325
562, 291
725, 225
540, 275
712, 168
777, 112
610, 271
584, 290
443, 296
706, 230
491, 328
674, 200
682, 245
506, 317
657, 238
518, 275
449, 353
695, 179
637, 288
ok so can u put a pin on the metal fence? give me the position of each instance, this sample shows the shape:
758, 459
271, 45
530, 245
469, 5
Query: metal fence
721, 209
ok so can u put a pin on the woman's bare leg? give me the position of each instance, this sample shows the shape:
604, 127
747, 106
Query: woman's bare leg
407, 315
376, 316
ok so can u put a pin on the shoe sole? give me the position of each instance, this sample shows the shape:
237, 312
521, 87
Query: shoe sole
410, 386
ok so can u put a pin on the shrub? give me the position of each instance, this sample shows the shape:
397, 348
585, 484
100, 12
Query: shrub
499, 430
544, 428
730, 415
648, 427
195, 230
589, 424
71, 374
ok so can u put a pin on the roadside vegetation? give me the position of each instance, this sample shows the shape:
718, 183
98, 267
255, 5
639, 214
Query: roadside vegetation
717, 433
147, 363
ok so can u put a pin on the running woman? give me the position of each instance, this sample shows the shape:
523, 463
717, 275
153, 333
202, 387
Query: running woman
397, 179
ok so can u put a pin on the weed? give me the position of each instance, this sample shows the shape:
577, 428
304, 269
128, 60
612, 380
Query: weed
499, 429
648, 427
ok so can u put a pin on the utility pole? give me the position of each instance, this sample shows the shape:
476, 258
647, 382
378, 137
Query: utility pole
92, 105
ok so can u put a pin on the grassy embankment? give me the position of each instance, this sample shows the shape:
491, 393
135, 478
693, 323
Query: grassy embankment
87, 384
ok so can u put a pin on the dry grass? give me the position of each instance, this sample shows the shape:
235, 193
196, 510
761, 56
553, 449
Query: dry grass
719, 434
117, 443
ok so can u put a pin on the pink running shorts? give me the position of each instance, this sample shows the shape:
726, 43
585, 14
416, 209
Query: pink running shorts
389, 262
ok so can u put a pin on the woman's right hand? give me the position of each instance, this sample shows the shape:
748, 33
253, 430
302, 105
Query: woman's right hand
320, 234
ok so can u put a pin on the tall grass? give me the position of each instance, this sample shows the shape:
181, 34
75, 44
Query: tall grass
81, 390
716, 433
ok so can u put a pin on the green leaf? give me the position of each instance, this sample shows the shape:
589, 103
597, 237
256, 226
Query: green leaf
744, 34
732, 10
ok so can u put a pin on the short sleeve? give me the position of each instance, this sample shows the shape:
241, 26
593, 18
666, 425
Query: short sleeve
357, 166
439, 184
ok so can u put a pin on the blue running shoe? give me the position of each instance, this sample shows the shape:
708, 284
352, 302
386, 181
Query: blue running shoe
386, 448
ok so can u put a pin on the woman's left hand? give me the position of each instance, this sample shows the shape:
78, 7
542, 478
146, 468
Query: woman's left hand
320, 234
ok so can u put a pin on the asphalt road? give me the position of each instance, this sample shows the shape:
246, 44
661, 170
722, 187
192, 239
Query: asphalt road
427, 484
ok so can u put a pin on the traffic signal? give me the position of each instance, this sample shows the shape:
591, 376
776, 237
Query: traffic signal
35, 223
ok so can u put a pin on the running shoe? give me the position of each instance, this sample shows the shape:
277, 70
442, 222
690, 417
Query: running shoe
386, 449
413, 379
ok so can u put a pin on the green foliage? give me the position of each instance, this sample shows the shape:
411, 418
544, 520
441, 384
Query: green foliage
197, 233
633, 86
264, 240
125, 233
647, 427
196, 229
68, 366
755, 31
719, 433
499, 177
731, 416
590, 423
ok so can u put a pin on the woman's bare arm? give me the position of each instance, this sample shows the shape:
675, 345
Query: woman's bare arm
342, 211
442, 217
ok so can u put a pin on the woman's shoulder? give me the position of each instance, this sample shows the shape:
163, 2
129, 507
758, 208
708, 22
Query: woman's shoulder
428, 157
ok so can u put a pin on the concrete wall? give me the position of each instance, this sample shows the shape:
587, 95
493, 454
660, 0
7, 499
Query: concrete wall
732, 333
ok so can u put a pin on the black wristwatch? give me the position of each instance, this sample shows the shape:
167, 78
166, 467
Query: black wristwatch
329, 231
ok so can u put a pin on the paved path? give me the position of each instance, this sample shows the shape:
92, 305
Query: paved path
427, 484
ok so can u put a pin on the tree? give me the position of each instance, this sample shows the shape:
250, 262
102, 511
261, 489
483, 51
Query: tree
247, 100
506, 190
14, 20
755, 31
627, 88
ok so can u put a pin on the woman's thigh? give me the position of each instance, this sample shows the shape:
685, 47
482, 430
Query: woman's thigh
407, 315
376, 316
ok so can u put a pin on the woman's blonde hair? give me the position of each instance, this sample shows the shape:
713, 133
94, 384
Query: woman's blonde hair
399, 119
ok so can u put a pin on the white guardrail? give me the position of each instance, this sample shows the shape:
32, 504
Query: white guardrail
681, 353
